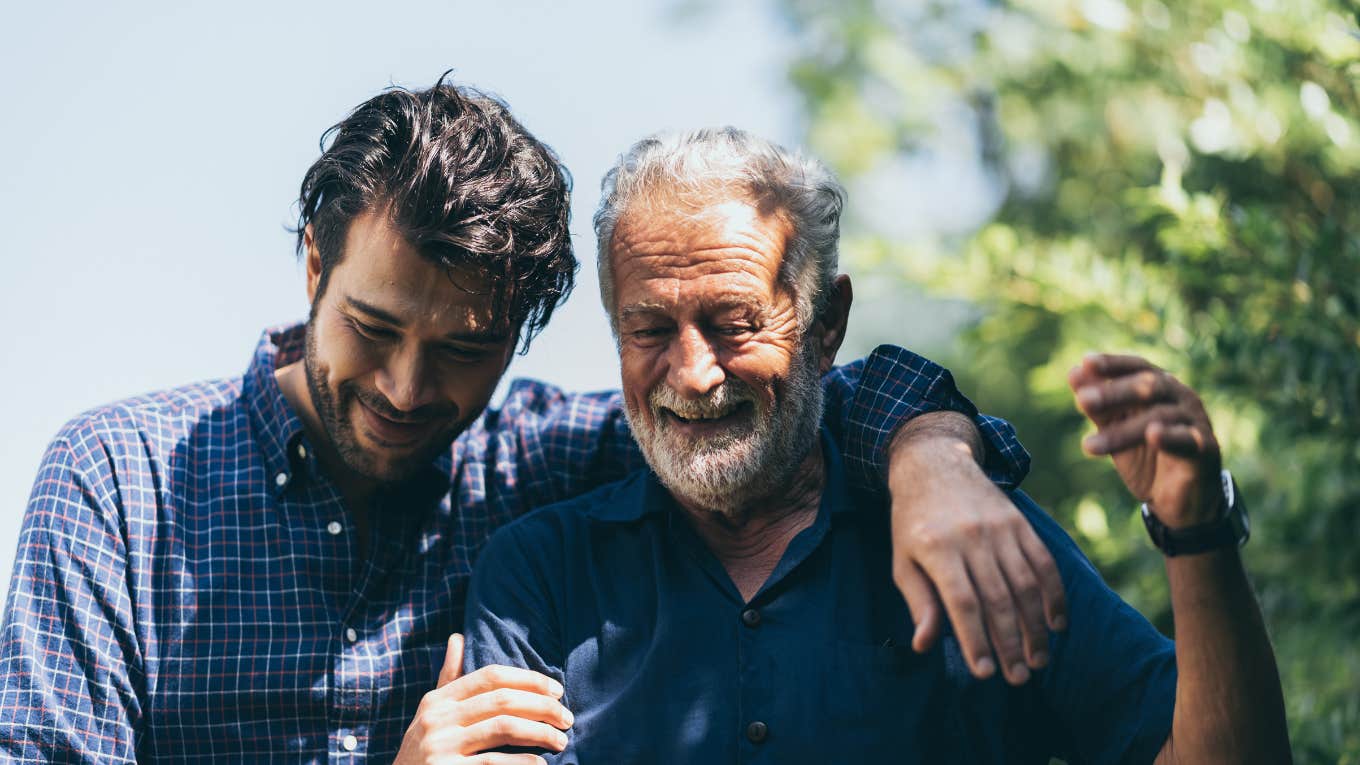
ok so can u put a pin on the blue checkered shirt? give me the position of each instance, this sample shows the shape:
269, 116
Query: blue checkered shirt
189, 588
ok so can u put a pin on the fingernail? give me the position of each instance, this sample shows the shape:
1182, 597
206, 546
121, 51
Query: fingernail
1020, 672
985, 667
1060, 622
561, 741
1040, 659
568, 717
556, 689
1094, 443
1088, 396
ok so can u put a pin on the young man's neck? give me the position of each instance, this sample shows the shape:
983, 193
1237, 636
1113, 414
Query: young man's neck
750, 540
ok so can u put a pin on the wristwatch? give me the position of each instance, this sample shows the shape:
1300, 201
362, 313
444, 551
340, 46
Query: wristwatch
1231, 527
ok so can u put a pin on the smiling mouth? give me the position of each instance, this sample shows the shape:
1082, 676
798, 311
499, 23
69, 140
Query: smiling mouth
697, 419
393, 433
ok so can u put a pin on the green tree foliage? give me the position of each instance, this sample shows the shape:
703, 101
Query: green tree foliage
1177, 179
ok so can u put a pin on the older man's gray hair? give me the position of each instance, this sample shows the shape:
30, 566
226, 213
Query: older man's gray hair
687, 166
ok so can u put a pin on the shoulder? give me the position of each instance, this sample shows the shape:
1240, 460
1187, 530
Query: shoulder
533, 399
560, 525
152, 424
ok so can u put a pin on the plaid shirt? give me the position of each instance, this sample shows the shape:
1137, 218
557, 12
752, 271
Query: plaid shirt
188, 585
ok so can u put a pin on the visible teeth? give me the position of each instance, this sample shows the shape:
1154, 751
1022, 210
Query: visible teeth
694, 416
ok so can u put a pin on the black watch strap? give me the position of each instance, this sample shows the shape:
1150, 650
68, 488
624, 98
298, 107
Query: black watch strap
1230, 528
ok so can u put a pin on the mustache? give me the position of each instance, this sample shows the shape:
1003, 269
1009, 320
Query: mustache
722, 400
379, 403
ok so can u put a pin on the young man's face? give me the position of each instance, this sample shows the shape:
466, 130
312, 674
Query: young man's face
402, 354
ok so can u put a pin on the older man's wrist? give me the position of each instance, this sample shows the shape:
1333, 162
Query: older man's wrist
932, 443
933, 431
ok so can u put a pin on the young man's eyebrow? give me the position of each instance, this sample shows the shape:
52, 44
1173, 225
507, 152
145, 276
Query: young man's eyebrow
374, 311
474, 336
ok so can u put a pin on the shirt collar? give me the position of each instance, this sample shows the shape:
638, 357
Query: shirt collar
278, 430
643, 494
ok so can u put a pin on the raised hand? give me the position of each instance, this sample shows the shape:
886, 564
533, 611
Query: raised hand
1155, 429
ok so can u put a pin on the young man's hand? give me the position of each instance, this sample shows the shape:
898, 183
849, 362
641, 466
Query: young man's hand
958, 539
493, 707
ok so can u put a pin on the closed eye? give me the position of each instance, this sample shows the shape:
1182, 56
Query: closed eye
377, 334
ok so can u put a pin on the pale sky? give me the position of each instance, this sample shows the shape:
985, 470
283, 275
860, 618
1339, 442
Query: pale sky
154, 153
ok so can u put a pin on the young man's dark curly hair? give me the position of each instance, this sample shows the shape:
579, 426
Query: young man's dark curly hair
462, 181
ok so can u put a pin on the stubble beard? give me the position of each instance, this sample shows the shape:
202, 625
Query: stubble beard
333, 408
751, 460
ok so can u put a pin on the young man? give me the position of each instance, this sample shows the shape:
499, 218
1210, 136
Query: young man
270, 567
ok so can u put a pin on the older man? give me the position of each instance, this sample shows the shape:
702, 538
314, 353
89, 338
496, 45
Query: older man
734, 603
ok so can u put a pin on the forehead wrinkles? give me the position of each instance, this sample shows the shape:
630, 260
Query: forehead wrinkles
728, 236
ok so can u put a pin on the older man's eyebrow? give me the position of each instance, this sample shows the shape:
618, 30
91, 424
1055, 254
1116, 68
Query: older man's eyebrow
642, 308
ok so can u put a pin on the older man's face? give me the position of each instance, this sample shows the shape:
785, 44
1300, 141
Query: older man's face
722, 389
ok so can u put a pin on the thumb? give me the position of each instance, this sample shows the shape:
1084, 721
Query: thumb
924, 605
453, 661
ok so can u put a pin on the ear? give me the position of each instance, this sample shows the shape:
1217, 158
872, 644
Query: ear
831, 323
313, 263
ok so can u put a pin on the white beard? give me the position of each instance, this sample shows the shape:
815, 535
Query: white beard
752, 458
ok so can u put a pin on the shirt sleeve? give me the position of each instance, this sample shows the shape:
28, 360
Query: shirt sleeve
68, 654
553, 446
867, 400
512, 612
1110, 688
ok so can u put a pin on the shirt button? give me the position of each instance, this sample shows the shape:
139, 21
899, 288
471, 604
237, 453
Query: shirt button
281, 480
334, 528
350, 743
757, 731
750, 617
351, 635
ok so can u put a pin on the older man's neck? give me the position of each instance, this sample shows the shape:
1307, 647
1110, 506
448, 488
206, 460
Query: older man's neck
750, 540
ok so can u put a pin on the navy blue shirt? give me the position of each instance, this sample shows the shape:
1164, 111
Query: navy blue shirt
616, 596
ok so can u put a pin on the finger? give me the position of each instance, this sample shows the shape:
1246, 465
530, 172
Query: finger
923, 603
517, 703
1114, 396
1024, 586
999, 614
1181, 440
499, 758
511, 731
1116, 437
453, 661
1116, 364
965, 613
497, 676
1050, 580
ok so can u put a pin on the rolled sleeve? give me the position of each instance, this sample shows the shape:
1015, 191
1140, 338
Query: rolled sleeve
893, 385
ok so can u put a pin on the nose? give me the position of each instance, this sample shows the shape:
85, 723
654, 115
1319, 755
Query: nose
693, 365
403, 380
